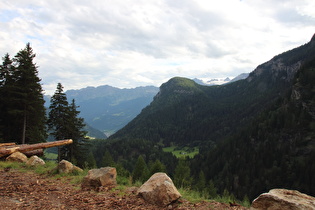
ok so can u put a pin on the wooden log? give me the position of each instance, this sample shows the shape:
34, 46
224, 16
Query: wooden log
6, 144
29, 147
38, 152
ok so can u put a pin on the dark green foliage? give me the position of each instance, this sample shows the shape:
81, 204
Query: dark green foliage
275, 151
87, 160
22, 113
94, 133
58, 114
212, 190
141, 171
64, 123
107, 160
191, 115
182, 177
125, 153
253, 135
6, 87
156, 167
185, 113
201, 181
79, 148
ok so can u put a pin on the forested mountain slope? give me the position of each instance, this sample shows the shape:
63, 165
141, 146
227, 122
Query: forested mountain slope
184, 112
253, 135
276, 150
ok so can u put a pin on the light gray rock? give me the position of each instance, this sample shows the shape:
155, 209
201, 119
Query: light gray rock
101, 177
35, 160
17, 157
65, 166
159, 190
277, 199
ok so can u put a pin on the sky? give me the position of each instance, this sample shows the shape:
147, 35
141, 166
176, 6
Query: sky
127, 44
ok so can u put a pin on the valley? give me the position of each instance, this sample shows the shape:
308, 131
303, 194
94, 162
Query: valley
235, 140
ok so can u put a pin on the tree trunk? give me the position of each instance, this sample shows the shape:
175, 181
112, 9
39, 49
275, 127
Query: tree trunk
38, 152
24, 126
7, 144
7, 150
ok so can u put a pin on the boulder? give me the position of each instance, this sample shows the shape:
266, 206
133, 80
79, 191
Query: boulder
159, 190
283, 199
17, 157
65, 166
102, 177
35, 160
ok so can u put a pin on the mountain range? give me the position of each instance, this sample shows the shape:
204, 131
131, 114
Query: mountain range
253, 135
107, 109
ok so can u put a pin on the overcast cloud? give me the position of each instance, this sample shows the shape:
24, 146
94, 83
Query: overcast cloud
126, 43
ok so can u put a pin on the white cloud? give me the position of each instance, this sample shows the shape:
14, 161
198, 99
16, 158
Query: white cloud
128, 43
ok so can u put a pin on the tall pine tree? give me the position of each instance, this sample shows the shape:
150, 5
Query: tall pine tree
6, 71
64, 123
58, 114
79, 148
24, 114
57, 119
141, 171
182, 176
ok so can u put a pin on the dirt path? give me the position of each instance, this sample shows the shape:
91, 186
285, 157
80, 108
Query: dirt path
31, 191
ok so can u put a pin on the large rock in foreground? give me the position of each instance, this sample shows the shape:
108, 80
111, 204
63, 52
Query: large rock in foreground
102, 177
17, 157
277, 199
66, 167
159, 190
35, 160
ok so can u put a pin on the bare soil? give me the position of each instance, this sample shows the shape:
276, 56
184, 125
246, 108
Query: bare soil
32, 191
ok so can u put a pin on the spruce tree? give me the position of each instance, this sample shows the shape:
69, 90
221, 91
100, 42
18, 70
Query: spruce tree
64, 123
79, 148
108, 160
201, 182
141, 171
6, 71
212, 190
58, 118
23, 114
182, 176
58, 114
156, 167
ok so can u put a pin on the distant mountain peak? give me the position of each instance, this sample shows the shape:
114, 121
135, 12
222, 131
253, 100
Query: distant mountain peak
227, 79
220, 81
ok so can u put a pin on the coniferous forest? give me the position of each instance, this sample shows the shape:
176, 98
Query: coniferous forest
253, 135
23, 117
